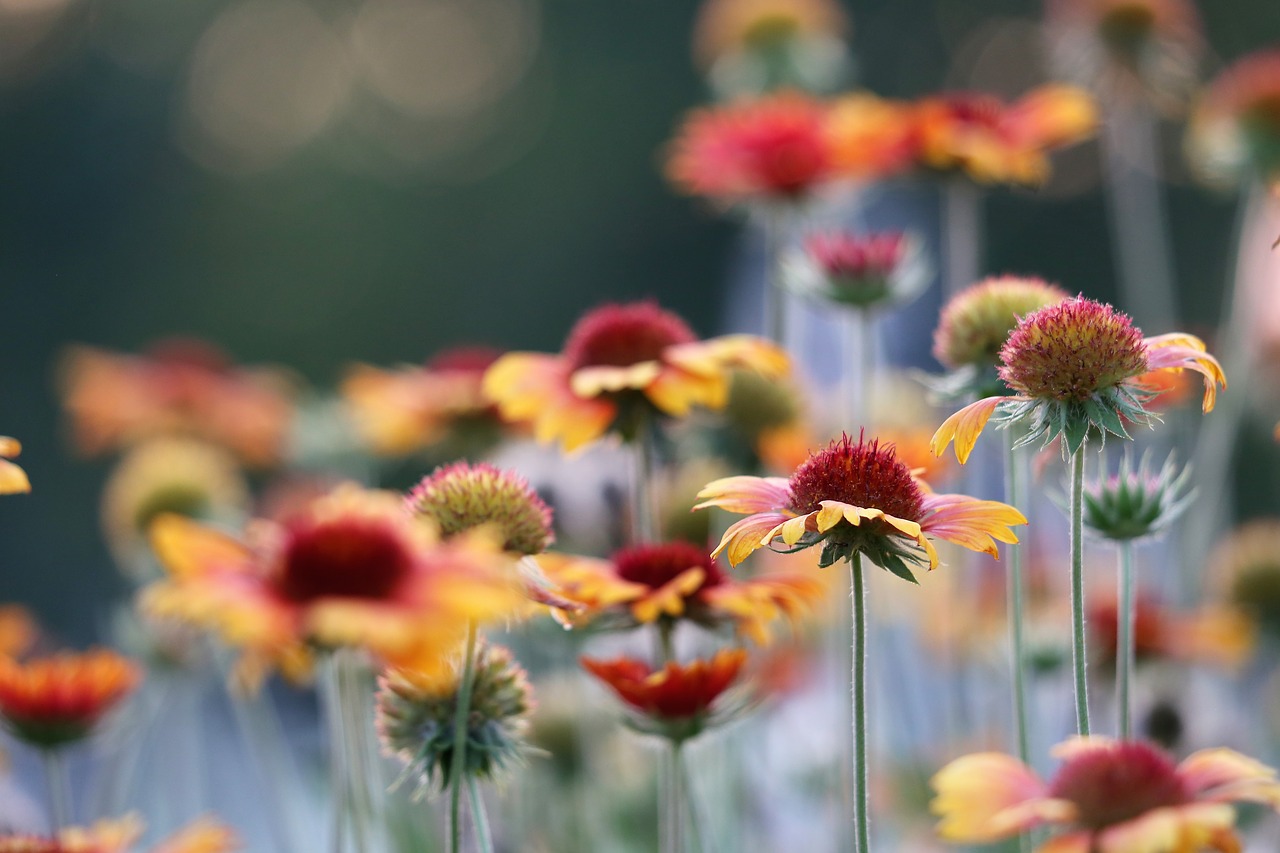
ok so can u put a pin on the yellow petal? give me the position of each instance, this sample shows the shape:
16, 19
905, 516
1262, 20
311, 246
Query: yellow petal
964, 427
187, 549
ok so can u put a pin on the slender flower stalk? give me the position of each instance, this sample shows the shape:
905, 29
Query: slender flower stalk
1126, 654
774, 228
1017, 646
861, 803
459, 759
484, 839
963, 235
59, 782
354, 817
1078, 656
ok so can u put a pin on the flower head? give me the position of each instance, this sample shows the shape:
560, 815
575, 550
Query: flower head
856, 498
678, 580
862, 271
678, 701
619, 364
12, 478
772, 149
180, 386
1213, 635
462, 497
404, 410
1235, 129
178, 475
352, 569
871, 137
976, 322
1245, 568
58, 700
1078, 367
992, 142
1121, 47
415, 719
1136, 503
1107, 796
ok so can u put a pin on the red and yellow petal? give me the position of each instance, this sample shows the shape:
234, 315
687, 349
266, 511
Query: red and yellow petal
534, 388
603, 379
746, 494
1051, 116
676, 391
668, 599
1180, 351
974, 790
748, 535
964, 427
187, 549
1224, 775
1168, 830
971, 523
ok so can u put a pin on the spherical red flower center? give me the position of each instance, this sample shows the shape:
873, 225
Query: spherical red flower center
1119, 783
344, 558
862, 474
1072, 350
656, 565
623, 335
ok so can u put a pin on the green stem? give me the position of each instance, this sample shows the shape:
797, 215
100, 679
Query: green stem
666, 641
1017, 644
775, 298
1125, 652
671, 822
458, 760
355, 784
484, 839
55, 772
1078, 657
691, 798
338, 781
861, 813
644, 522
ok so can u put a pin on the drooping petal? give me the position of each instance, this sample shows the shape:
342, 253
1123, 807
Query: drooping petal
964, 427
599, 379
676, 391
1179, 351
971, 523
974, 790
535, 388
1224, 775
746, 494
746, 535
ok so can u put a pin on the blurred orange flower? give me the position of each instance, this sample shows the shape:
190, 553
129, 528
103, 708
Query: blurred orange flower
993, 142
352, 569
57, 700
677, 580
403, 410
1235, 129
871, 137
12, 478
619, 364
1216, 636
679, 699
121, 836
732, 26
179, 386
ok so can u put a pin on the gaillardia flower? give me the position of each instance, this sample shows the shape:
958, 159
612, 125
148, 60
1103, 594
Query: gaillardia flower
1218, 636
462, 497
678, 701
1135, 503
1107, 797
407, 409
121, 836
352, 569
1123, 47
1235, 129
860, 271
1076, 367
49, 702
677, 580
620, 364
770, 150
180, 386
1245, 571
976, 322
13, 479
856, 498
996, 143
415, 719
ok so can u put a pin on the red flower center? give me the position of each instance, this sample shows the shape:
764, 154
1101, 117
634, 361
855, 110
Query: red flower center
1119, 783
862, 474
1072, 350
855, 256
623, 335
348, 558
975, 110
787, 157
655, 565
473, 359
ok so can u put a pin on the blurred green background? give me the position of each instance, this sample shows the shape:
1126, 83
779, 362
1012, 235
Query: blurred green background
314, 183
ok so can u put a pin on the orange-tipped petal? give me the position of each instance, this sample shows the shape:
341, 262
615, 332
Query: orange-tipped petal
973, 791
187, 549
746, 494
964, 427
747, 536
971, 523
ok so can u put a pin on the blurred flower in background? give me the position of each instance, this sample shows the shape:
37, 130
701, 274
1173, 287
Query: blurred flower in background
1235, 130
13, 479
54, 701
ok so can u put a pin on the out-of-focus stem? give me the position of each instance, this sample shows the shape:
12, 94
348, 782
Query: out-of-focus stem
1125, 646
458, 758
59, 782
962, 235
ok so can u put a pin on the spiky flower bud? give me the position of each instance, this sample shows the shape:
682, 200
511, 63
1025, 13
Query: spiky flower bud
976, 323
859, 270
415, 720
461, 497
1136, 503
